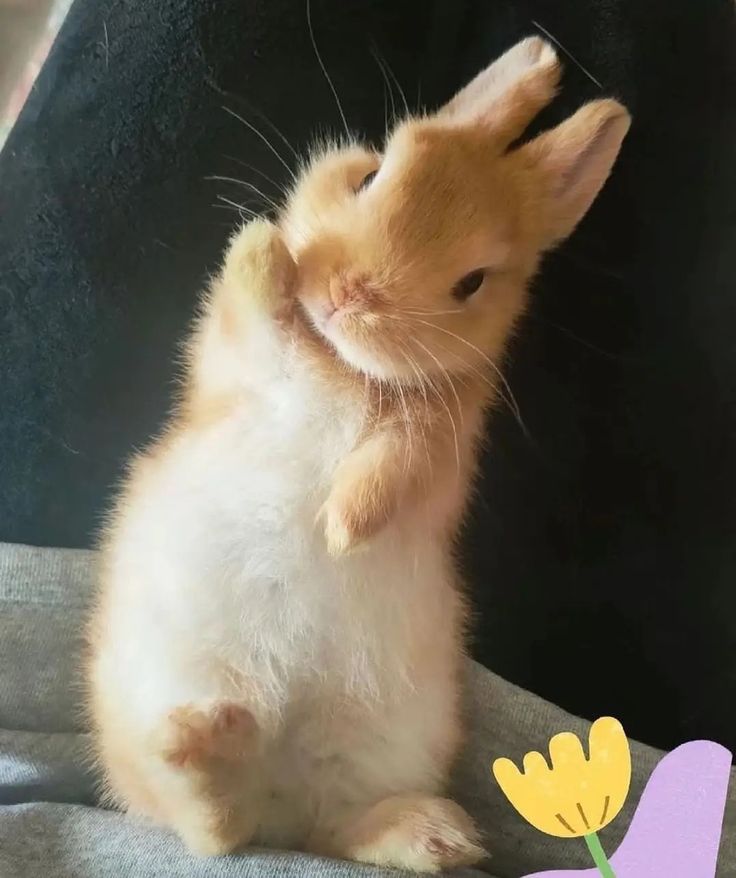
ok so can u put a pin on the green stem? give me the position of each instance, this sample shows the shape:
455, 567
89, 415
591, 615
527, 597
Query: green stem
599, 855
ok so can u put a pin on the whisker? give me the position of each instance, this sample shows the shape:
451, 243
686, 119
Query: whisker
417, 370
570, 334
422, 313
569, 54
454, 428
263, 137
407, 425
430, 383
324, 69
248, 185
444, 405
398, 85
386, 94
233, 205
465, 364
385, 111
510, 400
277, 131
496, 390
447, 376
413, 365
260, 173
387, 90
480, 353
366, 397
244, 218
226, 207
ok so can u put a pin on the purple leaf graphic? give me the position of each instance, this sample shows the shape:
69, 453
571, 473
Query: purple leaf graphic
676, 829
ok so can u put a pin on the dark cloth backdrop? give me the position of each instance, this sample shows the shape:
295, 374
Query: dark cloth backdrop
601, 554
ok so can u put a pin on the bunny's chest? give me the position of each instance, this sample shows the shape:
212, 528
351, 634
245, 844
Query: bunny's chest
251, 487
285, 458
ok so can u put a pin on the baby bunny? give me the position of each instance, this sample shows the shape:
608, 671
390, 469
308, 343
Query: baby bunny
276, 644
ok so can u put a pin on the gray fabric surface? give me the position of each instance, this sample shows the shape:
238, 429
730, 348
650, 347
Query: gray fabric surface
50, 827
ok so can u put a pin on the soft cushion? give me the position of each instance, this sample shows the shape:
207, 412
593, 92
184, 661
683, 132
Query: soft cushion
50, 826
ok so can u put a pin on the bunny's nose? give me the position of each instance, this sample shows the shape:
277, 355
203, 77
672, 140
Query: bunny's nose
348, 289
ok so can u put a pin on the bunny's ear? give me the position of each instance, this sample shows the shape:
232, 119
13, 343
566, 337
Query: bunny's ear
573, 161
509, 93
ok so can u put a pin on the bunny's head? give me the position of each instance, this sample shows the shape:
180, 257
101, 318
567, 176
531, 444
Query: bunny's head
416, 259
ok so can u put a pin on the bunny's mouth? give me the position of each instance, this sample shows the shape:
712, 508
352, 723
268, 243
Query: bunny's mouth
316, 327
326, 329
342, 333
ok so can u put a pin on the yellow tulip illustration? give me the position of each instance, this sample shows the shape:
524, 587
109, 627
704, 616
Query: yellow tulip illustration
578, 795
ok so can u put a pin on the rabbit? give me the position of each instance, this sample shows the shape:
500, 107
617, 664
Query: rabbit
277, 640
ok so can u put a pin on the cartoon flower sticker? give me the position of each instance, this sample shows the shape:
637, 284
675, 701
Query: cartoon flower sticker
578, 795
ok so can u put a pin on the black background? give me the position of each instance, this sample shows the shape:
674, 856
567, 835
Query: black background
601, 551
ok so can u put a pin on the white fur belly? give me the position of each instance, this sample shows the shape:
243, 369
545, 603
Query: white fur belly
221, 560
222, 587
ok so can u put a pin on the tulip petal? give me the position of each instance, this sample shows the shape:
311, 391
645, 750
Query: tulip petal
566, 752
535, 766
610, 765
506, 773
608, 742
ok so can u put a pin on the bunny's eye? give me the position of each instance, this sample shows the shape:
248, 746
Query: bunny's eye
468, 285
366, 181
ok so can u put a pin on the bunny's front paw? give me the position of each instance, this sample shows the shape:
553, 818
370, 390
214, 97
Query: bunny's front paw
353, 513
366, 490
342, 528
259, 262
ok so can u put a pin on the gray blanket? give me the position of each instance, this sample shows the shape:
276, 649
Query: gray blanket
51, 827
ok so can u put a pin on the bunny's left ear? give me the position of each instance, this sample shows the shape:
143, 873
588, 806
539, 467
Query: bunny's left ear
510, 92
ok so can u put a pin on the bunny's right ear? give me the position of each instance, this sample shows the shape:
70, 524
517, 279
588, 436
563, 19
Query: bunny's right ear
571, 163
510, 92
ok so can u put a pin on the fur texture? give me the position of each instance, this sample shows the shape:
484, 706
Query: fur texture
275, 650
